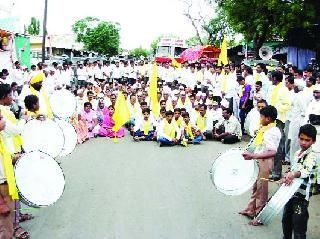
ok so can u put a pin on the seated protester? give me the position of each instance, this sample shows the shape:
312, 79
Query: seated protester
203, 123
144, 129
168, 132
228, 131
214, 112
32, 106
107, 125
262, 149
163, 104
177, 116
190, 134
81, 128
101, 112
90, 117
183, 111
295, 213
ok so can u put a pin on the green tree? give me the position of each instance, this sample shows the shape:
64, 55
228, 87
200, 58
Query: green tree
138, 52
260, 21
33, 28
99, 36
217, 28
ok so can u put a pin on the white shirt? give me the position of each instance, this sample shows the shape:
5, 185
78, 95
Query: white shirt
232, 126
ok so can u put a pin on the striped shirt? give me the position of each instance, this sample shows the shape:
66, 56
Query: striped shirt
306, 164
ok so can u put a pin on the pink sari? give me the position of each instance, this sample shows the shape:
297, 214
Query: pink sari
106, 128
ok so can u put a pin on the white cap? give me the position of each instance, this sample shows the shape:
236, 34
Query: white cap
316, 87
225, 103
199, 94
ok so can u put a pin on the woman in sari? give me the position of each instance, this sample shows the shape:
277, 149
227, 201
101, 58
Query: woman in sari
101, 112
107, 125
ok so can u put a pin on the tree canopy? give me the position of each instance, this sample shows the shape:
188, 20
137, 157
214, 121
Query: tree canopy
99, 36
33, 28
260, 21
138, 52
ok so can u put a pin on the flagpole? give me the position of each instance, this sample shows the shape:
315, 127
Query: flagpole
44, 29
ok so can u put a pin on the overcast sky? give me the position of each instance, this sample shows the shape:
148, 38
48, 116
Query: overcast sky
141, 20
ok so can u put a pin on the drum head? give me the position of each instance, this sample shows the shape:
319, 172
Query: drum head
70, 137
45, 136
232, 174
63, 103
39, 178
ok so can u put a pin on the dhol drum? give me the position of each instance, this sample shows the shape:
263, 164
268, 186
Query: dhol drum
70, 137
63, 103
45, 136
39, 178
231, 174
278, 201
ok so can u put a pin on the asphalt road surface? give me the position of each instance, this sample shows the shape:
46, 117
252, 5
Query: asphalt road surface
129, 190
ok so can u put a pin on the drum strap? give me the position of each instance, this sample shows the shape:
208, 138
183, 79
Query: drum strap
8, 170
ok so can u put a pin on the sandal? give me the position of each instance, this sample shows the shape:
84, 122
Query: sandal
25, 217
20, 233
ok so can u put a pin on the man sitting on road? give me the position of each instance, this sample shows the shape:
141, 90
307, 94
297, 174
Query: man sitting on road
228, 131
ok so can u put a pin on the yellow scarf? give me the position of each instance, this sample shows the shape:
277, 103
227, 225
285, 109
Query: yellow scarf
258, 77
169, 129
188, 130
178, 121
146, 126
8, 170
240, 92
259, 136
201, 122
46, 101
17, 140
274, 94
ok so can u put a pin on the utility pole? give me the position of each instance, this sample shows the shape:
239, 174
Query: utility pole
44, 33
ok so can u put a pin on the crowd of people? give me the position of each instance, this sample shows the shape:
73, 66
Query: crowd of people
196, 102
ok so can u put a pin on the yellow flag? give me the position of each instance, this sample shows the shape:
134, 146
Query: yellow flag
153, 88
121, 113
223, 56
175, 63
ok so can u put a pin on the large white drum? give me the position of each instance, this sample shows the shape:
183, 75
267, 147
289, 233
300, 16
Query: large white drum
39, 178
45, 136
70, 137
278, 201
231, 174
63, 103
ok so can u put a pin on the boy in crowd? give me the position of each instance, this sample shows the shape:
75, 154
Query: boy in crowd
295, 214
263, 149
168, 131
191, 134
144, 128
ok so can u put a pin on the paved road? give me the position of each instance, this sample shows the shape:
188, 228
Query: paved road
130, 190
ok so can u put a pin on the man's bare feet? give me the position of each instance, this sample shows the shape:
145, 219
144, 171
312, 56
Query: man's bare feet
247, 214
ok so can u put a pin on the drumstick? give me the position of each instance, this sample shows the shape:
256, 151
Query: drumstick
265, 179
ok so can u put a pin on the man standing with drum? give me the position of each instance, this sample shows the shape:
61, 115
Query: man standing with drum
304, 165
263, 148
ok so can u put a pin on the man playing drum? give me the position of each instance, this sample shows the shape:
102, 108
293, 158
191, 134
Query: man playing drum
262, 149
304, 165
